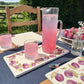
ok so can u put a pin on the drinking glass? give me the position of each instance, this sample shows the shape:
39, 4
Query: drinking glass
31, 49
77, 47
6, 41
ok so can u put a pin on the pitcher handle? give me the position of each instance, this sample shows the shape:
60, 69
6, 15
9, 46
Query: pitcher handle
61, 25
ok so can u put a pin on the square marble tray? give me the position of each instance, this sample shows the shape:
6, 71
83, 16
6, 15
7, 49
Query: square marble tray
71, 72
3, 49
19, 39
20, 65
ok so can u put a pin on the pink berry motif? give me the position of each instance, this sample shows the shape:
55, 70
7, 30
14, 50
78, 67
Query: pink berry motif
18, 53
22, 51
33, 64
59, 77
82, 78
52, 55
12, 63
25, 66
39, 60
57, 51
46, 57
81, 62
12, 57
75, 65
68, 73
16, 66
71, 82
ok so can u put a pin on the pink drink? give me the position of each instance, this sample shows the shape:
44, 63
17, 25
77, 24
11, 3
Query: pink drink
31, 50
49, 32
6, 41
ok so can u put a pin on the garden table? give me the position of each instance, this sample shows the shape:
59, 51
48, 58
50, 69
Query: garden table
34, 77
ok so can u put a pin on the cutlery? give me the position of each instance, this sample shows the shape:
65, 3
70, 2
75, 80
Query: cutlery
53, 66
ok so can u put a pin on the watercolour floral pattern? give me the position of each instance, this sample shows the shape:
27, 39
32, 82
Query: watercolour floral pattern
19, 63
69, 73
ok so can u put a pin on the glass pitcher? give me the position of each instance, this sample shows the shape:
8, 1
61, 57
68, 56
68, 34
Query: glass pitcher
49, 28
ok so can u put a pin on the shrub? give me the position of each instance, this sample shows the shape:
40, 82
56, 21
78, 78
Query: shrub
70, 11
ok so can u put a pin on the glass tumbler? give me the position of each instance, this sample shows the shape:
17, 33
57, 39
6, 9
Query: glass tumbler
5, 41
31, 49
77, 47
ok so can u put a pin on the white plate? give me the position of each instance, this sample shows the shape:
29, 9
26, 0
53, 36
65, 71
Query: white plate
66, 38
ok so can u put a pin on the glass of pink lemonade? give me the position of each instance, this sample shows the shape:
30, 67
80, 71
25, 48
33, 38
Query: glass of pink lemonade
49, 28
31, 49
5, 41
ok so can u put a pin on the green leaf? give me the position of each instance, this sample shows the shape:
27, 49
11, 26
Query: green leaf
53, 75
82, 74
21, 70
79, 83
71, 66
64, 68
82, 57
75, 73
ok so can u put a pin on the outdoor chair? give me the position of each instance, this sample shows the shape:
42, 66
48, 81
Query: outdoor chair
19, 9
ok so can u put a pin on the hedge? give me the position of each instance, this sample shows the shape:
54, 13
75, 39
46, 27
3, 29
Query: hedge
70, 11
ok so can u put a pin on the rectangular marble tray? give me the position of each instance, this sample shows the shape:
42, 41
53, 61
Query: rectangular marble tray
72, 71
20, 65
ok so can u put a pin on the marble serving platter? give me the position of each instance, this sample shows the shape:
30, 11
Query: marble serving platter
6, 49
19, 39
70, 73
20, 65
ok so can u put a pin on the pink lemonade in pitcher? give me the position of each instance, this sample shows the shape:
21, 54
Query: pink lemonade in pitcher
31, 50
49, 32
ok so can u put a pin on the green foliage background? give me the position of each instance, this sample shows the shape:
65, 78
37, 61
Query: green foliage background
70, 11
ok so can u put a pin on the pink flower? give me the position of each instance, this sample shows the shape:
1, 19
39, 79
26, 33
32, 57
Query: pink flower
25, 66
